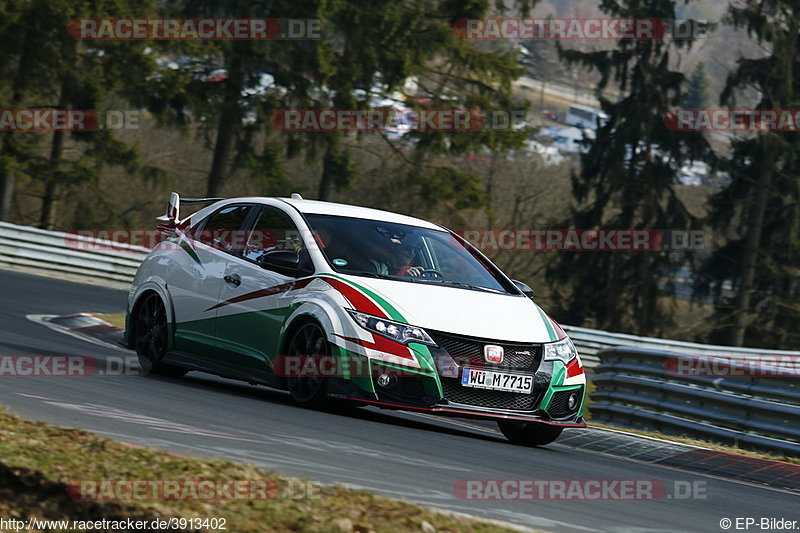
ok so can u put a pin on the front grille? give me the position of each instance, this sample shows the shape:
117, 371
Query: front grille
559, 406
407, 389
468, 351
494, 399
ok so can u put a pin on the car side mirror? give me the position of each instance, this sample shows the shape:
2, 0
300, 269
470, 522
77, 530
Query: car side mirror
526, 290
286, 262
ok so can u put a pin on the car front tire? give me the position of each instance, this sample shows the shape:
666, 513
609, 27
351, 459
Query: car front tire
529, 433
308, 341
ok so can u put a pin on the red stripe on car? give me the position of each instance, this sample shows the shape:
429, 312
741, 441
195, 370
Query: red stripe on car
382, 344
361, 303
357, 299
574, 368
269, 291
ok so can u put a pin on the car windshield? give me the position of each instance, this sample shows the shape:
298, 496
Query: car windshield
407, 253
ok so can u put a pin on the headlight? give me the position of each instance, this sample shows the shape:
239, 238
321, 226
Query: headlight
562, 350
402, 333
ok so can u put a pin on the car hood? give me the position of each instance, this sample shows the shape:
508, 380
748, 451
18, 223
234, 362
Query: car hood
464, 311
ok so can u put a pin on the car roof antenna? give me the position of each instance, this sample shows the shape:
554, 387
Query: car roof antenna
296, 196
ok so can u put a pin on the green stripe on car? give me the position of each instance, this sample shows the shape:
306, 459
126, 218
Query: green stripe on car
547, 324
393, 313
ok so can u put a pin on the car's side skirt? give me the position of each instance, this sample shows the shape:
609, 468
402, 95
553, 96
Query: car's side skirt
201, 364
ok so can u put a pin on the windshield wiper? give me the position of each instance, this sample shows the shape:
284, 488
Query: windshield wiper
463, 284
379, 276
367, 273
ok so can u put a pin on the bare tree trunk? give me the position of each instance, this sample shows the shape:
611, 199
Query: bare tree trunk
6, 185
47, 219
327, 184
755, 225
489, 205
229, 120
47, 216
222, 150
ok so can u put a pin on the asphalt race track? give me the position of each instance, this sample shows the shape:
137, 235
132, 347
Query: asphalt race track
412, 457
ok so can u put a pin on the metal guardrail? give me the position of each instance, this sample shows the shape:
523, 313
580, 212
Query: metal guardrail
70, 254
592, 341
643, 387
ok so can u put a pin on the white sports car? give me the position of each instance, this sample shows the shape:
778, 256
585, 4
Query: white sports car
334, 302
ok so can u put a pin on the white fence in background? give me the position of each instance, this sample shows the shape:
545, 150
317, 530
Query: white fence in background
107, 261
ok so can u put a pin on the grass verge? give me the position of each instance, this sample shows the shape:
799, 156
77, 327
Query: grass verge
38, 461
115, 319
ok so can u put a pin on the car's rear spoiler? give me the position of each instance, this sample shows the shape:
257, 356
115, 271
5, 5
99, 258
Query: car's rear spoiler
171, 219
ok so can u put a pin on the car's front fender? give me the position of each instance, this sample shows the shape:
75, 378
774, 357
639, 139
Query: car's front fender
151, 284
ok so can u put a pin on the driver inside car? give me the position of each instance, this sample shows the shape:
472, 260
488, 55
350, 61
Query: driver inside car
397, 262
406, 255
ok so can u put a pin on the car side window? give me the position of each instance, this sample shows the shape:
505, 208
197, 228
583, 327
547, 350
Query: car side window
273, 231
223, 229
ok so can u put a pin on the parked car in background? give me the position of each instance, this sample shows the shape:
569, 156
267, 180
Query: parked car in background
570, 140
582, 116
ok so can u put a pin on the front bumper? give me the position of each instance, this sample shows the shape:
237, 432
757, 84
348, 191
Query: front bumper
469, 411
435, 394
435, 387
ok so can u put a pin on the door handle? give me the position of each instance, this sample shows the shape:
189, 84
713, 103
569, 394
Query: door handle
233, 279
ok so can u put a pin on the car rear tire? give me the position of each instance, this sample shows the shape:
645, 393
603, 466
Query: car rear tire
307, 341
529, 433
151, 330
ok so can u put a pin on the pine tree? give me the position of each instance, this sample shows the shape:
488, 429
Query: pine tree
697, 92
16, 58
54, 70
627, 180
761, 206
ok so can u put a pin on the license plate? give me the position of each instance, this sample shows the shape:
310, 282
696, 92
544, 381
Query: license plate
483, 379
